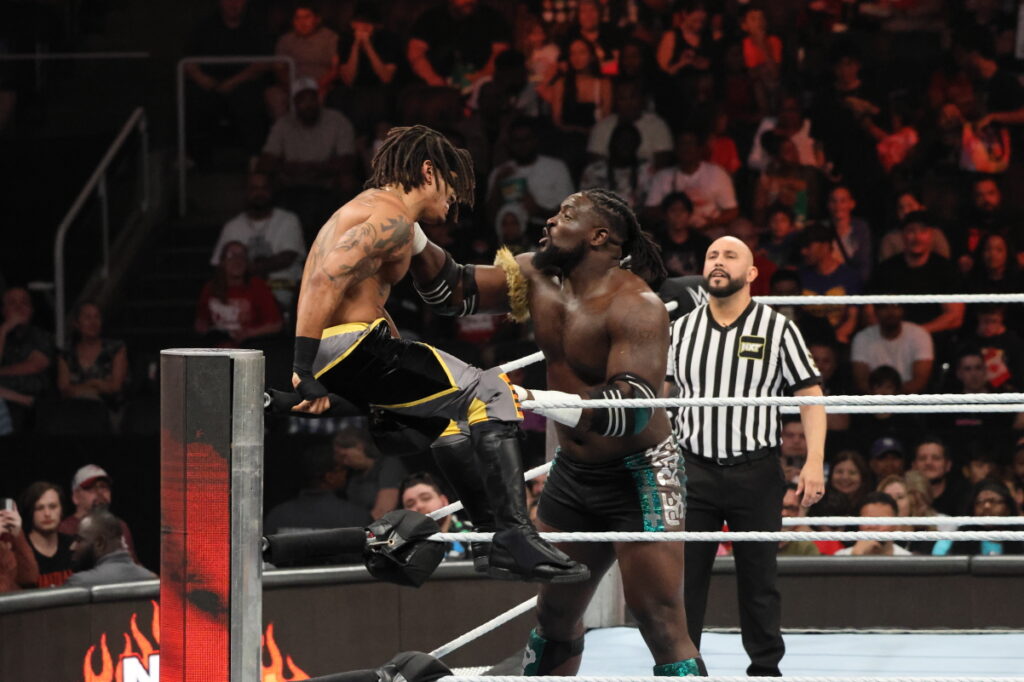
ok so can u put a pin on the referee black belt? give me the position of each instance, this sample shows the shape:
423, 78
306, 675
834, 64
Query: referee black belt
733, 460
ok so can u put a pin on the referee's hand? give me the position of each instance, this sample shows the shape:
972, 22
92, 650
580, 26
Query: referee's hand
810, 485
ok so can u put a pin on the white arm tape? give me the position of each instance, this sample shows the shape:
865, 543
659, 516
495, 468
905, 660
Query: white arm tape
419, 239
570, 416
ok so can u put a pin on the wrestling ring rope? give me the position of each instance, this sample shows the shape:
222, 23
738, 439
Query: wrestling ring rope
846, 404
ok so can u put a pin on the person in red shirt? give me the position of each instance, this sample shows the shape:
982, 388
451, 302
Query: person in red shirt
762, 55
17, 565
235, 306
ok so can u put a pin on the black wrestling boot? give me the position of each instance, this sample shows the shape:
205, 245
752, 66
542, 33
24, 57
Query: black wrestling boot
458, 462
517, 551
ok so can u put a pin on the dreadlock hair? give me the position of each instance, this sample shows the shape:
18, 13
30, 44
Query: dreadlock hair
399, 161
640, 253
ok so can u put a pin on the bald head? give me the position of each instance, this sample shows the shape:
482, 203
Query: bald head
736, 244
729, 267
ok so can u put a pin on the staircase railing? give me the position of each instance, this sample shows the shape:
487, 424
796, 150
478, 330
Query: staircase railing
97, 184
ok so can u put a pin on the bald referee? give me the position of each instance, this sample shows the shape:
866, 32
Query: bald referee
734, 347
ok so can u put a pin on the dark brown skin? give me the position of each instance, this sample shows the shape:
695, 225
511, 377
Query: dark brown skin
592, 324
598, 322
360, 252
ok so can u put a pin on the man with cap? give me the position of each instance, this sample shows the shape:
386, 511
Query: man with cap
91, 488
310, 154
887, 458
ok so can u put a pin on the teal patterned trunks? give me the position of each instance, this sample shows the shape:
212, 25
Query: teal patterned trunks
640, 492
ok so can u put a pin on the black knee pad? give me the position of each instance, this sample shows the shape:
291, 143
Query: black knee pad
544, 655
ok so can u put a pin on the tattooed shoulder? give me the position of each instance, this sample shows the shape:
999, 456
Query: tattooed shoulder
393, 235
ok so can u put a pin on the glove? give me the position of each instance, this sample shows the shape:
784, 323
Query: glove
305, 353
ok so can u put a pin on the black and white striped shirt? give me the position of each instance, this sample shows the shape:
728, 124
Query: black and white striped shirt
761, 354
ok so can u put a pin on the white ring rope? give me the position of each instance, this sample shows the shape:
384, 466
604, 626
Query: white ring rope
910, 399
723, 678
904, 520
755, 535
513, 365
827, 300
457, 506
876, 299
482, 630
914, 409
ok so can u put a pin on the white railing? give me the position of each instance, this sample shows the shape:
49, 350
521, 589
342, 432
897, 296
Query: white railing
39, 57
81, 56
239, 59
98, 183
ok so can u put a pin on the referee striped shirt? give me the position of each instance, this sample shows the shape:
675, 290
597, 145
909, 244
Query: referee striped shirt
761, 354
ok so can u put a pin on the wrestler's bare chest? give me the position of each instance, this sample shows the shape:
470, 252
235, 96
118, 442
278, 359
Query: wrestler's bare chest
573, 335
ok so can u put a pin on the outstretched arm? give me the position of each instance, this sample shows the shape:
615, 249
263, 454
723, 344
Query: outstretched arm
457, 290
338, 260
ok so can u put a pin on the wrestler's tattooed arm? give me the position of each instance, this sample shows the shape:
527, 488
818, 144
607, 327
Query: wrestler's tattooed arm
342, 258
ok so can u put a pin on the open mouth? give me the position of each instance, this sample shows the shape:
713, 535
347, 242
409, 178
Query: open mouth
719, 273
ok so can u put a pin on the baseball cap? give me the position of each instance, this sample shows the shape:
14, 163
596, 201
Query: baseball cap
87, 476
302, 84
886, 445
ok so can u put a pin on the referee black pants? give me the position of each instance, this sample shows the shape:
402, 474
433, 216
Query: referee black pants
747, 496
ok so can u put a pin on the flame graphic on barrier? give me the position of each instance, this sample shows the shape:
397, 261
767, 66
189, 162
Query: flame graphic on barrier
139, 661
275, 671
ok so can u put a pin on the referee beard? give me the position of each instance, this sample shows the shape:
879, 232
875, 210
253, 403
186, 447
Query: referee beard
734, 347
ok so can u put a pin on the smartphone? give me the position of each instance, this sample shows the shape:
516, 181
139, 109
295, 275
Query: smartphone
7, 504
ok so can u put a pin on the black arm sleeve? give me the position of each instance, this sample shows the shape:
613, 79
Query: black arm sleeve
622, 421
439, 292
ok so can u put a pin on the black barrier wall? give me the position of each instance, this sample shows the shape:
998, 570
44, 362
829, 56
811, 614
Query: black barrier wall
333, 619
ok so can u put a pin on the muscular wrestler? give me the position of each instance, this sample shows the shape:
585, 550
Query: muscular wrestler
345, 342
604, 334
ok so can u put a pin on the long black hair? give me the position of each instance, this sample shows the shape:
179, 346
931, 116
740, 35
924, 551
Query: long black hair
640, 253
399, 161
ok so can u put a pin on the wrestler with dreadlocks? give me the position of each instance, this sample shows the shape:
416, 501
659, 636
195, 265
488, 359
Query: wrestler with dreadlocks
345, 342
604, 334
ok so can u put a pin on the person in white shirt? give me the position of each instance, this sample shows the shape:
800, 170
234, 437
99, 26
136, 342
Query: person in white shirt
538, 182
875, 504
791, 124
629, 107
272, 235
312, 146
622, 171
709, 187
903, 345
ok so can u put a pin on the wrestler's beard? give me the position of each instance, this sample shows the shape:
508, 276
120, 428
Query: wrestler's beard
552, 258
726, 291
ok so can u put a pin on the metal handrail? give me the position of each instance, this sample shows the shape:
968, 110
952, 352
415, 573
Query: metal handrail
238, 59
97, 182
49, 56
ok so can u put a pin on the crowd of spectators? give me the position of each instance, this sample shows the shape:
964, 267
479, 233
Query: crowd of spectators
857, 147
848, 161
40, 547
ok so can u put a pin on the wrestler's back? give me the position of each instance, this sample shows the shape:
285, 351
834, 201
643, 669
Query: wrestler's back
573, 333
365, 301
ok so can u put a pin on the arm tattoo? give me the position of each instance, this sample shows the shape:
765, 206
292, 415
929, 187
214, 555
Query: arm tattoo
374, 245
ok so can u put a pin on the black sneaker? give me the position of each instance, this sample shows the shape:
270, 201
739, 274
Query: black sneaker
519, 553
